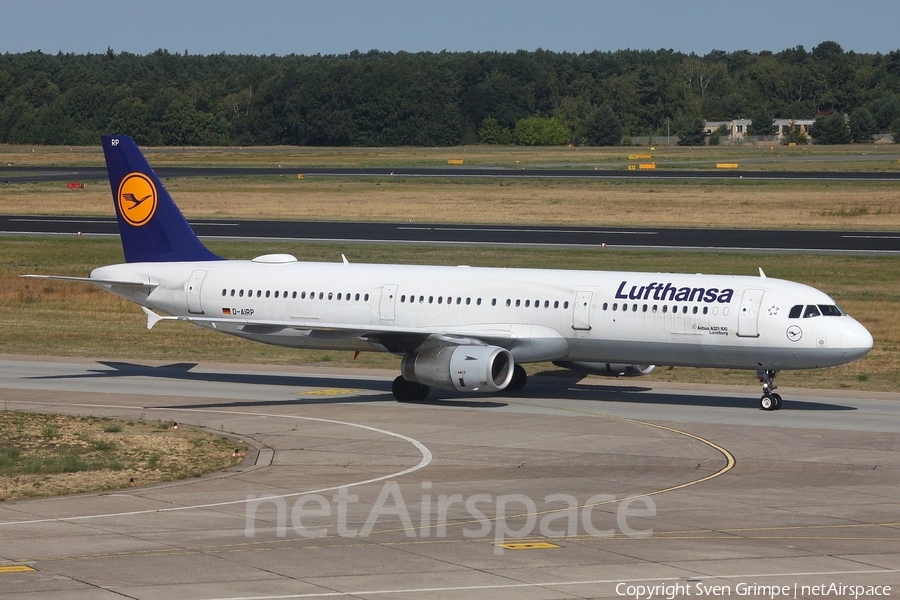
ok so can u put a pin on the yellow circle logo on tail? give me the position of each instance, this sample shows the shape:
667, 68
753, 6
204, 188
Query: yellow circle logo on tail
137, 199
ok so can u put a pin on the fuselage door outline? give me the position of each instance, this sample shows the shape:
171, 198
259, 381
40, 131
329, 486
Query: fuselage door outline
195, 284
581, 311
748, 315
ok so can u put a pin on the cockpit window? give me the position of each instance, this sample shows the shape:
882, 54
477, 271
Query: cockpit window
811, 311
796, 311
830, 310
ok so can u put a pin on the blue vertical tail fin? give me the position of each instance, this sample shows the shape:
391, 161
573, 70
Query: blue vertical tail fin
150, 225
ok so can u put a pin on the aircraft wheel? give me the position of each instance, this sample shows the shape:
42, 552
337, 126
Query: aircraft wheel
767, 402
519, 379
422, 392
778, 401
407, 391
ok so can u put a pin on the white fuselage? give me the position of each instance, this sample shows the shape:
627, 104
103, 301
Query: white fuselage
538, 315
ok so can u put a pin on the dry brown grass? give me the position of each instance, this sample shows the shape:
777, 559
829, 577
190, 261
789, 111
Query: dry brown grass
803, 205
855, 157
49, 455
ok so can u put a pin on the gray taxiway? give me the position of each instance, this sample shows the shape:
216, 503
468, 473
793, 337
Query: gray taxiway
566, 489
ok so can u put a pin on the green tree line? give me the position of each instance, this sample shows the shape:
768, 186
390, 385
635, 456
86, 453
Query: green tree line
431, 99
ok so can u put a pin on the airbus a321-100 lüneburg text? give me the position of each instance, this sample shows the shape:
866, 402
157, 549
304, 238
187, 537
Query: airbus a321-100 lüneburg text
466, 329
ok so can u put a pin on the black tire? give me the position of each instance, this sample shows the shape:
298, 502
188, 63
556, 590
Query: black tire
403, 390
409, 391
778, 401
422, 392
767, 402
519, 379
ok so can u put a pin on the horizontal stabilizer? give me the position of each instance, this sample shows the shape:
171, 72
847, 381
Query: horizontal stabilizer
120, 282
153, 318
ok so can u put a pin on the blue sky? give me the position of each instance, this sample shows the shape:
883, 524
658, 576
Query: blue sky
340, 26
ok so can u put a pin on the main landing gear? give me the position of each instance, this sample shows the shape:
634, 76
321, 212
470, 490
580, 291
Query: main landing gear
769, 400
519, 379
409, 391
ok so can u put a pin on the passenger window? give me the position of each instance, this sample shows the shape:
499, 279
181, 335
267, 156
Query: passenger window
665, 308
645, 308
566, 304
556, 304
811, 311
527, 303
241, 293
366, 297
232, 293
695, 310
615, 306
705, 310
605, 305
518, 303
402, 298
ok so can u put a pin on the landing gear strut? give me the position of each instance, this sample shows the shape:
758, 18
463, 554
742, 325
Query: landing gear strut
409, 391
769, 400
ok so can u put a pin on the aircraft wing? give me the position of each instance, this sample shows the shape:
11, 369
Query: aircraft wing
389, 338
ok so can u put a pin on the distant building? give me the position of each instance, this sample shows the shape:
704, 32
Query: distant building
737, 128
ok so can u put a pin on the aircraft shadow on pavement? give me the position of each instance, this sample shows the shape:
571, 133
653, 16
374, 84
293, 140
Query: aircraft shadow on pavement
540, 387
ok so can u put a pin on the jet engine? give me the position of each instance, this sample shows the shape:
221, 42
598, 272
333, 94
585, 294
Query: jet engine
607, 369
460, 368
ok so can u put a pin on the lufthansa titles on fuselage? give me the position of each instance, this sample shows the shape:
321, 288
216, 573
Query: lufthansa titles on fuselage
668, 292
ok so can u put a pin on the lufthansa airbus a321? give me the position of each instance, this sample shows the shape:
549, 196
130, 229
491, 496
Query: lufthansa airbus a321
466, 329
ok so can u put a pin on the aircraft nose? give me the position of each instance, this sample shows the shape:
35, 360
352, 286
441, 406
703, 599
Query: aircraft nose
856, 341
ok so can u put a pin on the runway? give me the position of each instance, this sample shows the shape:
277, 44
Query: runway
23, 174
566, 489
755, 240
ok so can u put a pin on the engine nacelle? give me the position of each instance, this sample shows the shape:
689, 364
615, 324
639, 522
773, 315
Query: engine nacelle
607, 369
460, 368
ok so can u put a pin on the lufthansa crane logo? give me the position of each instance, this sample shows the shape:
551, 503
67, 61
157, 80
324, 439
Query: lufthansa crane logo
137, 199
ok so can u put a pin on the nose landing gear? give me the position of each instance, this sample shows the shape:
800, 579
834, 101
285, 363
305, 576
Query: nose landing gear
769, 400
